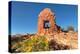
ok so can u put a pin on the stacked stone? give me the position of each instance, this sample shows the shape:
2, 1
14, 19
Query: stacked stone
46, 15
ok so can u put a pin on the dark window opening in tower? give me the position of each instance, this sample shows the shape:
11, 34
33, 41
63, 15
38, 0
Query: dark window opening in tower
46, 24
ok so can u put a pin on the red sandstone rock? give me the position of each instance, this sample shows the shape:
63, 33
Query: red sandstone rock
47, 16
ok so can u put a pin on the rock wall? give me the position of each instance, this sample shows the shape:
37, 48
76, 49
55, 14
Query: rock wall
46, 15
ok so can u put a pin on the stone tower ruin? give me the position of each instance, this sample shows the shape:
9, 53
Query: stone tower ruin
46, 22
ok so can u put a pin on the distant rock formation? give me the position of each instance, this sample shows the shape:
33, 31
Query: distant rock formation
46, 22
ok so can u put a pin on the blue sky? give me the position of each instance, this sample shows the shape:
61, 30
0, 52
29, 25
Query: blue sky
24, 16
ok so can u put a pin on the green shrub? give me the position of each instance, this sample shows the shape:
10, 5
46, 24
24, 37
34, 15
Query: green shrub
33, 44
